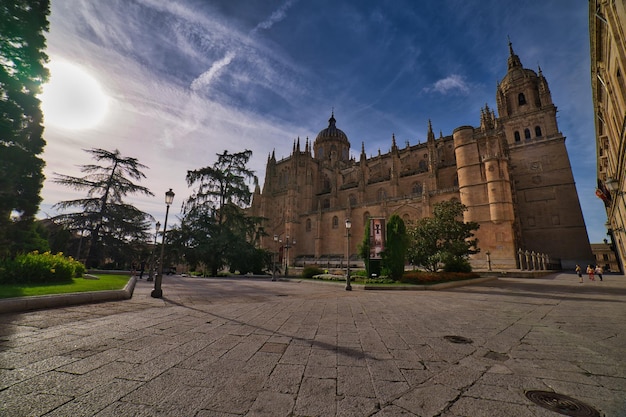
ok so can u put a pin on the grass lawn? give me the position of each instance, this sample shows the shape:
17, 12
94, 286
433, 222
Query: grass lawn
104, 282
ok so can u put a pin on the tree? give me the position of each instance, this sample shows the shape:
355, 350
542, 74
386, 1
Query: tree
443, 239
214, 228
364, 248
113, 225
22, 73
394, 255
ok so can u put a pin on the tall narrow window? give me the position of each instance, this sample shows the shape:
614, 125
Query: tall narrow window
517, 136
526, 133
308, 225
538, 131
521, 99
335, 222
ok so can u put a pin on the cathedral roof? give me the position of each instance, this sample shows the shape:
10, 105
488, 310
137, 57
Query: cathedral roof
331, 132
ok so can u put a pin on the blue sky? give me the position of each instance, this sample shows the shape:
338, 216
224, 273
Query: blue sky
191, 78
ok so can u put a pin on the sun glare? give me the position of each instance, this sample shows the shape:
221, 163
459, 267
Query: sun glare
72, 98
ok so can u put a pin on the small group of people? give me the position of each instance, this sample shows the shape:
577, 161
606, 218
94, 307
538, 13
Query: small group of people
591, 272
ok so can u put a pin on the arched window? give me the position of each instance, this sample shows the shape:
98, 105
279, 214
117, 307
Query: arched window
326, 203
423, 166
335, 222
382, 194
517, 136
538, 131
521, 99
417, 188
308, 225
352, 200
526, 133
366, 217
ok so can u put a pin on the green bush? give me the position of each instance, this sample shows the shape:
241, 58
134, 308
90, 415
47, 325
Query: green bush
35, 268
419, 277
311, 271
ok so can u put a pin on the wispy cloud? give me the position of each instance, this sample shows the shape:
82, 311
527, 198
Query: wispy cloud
276, 17
206, 77
452, 83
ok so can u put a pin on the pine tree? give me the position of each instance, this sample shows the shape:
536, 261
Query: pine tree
22, 73
214, 223
112, 223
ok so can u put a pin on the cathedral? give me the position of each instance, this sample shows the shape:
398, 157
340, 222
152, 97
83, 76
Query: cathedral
512, 172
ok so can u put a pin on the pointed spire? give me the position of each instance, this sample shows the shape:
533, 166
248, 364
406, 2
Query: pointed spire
431, 135
298, 146
514, 60
306, 146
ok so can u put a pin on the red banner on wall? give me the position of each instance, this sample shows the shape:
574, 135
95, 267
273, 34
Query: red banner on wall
377, 237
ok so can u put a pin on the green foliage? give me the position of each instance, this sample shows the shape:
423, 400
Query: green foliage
22, 73
215, 229
115, 227
425, 278
38, 267
442, 239
248, 258
394, 255
456, 264
364, 248
311, 271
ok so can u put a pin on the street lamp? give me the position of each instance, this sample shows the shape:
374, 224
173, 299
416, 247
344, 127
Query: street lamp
274, 258
287, 246
157, 292
348, 227
156, 233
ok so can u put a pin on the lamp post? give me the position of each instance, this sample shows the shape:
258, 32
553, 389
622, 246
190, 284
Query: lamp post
274, 258
156, 233
288, 245
488, 260
157, 292
348, 227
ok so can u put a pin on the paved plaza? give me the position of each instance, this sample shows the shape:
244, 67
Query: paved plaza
253, 347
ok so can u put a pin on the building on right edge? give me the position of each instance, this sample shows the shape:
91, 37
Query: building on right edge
607, 24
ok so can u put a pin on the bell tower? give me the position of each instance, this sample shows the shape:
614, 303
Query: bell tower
547, 210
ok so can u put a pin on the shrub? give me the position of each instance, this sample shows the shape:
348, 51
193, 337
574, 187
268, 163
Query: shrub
418, 277
311, 271
38, 267
457, 264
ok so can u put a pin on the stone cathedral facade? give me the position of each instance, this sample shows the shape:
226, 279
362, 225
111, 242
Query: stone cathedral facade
512, 172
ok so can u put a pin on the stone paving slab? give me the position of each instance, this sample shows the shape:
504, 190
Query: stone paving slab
253, 347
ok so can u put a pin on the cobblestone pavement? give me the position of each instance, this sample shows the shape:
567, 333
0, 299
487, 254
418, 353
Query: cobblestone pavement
237, 347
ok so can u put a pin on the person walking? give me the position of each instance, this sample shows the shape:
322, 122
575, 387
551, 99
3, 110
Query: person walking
599, 271
590, 271
579, 271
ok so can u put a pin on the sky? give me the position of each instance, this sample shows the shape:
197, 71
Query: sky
183, 80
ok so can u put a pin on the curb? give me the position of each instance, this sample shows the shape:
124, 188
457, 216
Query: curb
19, 304
433, 287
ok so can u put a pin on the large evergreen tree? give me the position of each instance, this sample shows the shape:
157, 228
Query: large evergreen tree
22, 73
394, 255
215, 228
113, 225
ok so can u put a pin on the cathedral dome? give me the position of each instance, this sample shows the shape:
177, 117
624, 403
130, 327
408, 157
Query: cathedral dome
331, 143
331, 132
